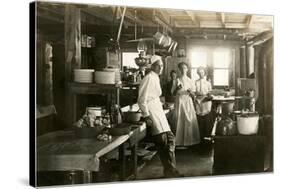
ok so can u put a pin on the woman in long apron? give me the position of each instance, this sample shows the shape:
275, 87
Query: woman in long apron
187, 131
203, 104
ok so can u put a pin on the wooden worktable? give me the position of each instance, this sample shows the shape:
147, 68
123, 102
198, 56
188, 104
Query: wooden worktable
63, 151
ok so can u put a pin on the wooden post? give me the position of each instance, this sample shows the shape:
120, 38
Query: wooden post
237, 67
122, 161
135, 160
72, 29
243, 61
72, 38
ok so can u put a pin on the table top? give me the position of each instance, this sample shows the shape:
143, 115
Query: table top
62, 150
222, 98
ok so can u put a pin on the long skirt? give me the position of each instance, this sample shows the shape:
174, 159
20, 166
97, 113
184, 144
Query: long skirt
187, 130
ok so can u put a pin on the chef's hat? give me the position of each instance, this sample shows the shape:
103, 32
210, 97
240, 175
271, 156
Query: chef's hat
155, 58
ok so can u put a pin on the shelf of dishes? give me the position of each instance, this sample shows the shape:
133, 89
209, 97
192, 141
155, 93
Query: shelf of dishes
106, 76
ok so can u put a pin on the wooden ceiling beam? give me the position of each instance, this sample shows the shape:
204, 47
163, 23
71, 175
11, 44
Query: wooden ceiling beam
130, 16
222, 19
164, 15
172, 22
235, 25
103, 18
249, 20
192, 16
98, 14
262, 37
156, 19
216, 31
178, 15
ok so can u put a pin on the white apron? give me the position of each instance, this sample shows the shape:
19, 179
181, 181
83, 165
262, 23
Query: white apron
158, 116
187, 132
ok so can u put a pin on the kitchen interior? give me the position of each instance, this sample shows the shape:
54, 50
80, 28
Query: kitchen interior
91, 58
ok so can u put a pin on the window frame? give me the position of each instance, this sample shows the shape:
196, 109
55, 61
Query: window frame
210, 50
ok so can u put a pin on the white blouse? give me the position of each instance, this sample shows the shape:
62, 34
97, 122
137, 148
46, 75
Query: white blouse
203, 87
186, 83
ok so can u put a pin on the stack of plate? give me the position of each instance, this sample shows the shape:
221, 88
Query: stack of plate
83, 75
117, 73
105, 77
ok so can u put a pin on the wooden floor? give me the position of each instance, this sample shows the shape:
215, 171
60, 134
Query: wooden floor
193, 161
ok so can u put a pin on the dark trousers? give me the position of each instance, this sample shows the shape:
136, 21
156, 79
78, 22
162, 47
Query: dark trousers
165, 145
205, 124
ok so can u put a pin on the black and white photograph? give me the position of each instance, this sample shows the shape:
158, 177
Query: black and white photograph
127, 93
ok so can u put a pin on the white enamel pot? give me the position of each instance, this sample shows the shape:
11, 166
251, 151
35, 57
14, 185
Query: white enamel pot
247, 125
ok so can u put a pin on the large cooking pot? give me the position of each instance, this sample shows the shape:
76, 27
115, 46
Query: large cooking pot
226, 126
165, 41
132, 116
248, 124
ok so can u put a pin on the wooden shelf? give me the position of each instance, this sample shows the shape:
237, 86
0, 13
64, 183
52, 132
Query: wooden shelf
112, 91
92, 88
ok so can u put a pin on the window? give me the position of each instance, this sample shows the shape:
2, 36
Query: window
128, 59
221, 62
198, 58
217, 60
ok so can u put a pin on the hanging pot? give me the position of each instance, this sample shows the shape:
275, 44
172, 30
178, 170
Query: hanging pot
173, 46
167, 41
158, 38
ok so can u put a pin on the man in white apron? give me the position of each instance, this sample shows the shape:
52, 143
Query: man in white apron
153, 113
